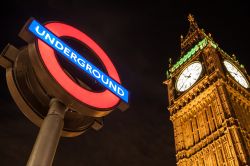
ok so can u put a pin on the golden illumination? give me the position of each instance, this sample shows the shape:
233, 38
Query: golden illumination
210, 112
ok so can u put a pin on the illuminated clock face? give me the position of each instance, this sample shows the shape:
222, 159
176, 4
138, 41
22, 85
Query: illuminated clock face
189, 76
236, 74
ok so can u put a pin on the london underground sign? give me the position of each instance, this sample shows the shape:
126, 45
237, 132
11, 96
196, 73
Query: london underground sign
37, 74
51, 94
52, 40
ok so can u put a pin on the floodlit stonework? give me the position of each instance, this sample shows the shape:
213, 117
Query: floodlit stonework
211, 119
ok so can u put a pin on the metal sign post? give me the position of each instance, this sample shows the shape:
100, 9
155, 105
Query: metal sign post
50, 132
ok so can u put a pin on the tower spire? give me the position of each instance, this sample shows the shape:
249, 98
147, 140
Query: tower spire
194, 35
193, 25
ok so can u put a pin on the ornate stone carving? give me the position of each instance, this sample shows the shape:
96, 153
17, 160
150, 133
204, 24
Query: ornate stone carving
211, 119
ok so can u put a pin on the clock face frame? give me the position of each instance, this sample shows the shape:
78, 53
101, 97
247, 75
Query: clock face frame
189, 76
236, 74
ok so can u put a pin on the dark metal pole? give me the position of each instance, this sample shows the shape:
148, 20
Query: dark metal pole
47, 140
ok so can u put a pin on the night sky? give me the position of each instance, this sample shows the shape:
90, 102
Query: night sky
139, 37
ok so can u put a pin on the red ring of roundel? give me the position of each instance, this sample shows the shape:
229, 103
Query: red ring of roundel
102, 100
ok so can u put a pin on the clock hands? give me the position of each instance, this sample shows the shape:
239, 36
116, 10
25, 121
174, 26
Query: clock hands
236, 74
182, 85
189, 76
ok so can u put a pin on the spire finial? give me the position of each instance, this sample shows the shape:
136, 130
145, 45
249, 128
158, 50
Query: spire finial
193, 24
181, 38
170, 62
190, 18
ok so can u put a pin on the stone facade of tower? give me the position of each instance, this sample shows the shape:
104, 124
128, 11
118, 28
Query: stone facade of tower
211, 118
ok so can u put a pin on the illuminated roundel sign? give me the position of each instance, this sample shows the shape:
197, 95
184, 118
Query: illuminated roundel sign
49, 41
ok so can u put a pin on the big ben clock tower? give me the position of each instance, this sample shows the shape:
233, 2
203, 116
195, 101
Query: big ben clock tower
209, 103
